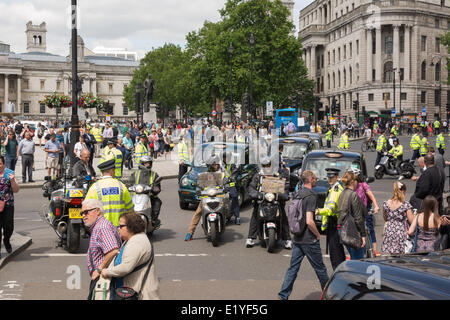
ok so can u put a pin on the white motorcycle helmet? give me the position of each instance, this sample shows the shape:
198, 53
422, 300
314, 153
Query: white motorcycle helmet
143, 161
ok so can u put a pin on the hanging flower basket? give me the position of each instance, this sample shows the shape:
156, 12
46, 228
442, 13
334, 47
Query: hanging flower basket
57, 101
88, 101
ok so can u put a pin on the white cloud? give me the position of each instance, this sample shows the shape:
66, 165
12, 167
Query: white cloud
133, 24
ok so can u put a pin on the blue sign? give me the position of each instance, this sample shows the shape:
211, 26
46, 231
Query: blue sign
424, 109
393, 111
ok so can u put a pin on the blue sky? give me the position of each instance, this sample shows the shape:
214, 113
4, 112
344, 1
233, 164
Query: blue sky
137, 25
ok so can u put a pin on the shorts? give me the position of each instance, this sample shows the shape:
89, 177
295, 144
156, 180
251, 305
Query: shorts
52, 163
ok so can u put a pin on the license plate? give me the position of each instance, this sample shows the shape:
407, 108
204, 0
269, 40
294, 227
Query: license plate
377, 167
271, 225
75, 213
212, 216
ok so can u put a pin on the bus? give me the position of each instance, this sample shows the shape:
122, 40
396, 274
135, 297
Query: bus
284, 116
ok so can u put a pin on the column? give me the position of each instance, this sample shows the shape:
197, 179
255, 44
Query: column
6, 93
94, 86
396, 47
313, 62
378, 64
407, 53
369, 55
19, 94
308, 60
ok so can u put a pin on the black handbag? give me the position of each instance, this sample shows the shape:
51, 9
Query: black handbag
127, 293
349, 232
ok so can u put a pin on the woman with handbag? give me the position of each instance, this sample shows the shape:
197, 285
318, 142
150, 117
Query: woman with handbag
8, 186
427, 223
352, 217
133, 267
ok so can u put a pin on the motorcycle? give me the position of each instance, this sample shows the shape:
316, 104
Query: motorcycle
269, 215
143, 206
63, 213
215, 202
386, 166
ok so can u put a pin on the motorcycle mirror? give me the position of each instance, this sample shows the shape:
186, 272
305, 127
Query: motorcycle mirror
158, 180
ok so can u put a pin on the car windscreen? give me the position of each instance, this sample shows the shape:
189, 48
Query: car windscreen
294, 151
318, 166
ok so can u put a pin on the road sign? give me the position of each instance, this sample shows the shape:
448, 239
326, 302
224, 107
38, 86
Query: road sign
269, 108
424, 111
393, 112
214, 113
332, 120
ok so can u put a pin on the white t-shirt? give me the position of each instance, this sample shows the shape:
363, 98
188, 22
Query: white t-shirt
367, 133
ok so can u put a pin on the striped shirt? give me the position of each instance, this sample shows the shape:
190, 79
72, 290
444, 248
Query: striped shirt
104, 238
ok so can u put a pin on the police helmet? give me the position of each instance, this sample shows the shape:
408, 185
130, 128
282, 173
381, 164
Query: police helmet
145, 159
211, 161
107, 163
395, 140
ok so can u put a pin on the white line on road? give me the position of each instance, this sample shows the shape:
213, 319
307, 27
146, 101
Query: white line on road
57, 281
52, 255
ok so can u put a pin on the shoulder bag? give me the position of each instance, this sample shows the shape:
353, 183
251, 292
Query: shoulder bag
349, 232
127, 293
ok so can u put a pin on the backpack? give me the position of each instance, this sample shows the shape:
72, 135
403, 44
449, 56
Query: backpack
296, 217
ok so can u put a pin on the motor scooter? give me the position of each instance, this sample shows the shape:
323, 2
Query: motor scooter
386, 166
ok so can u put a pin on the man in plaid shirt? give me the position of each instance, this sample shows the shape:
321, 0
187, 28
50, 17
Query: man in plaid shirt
104, 242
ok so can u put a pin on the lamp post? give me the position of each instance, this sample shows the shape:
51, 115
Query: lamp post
137, 102
393, 83
230, 51
75, 128
252, 44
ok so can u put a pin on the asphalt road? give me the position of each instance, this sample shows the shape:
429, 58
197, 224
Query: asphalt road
186, 270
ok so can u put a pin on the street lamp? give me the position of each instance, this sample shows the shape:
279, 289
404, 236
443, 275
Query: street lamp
75, 128
252, 44
137, 102
393, 83
230, 51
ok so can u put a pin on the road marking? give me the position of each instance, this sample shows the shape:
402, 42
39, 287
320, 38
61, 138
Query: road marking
57, 281
53, 255
176, 280
59, 255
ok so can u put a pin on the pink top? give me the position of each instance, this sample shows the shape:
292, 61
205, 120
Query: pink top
362, 190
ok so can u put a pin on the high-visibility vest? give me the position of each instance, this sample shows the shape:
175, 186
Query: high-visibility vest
440, 141
106, 152
183, 152
437, 124
394, 130
381, 143
97, 133
344, 143
415, 142
331, 207
329, 135
423, 146
397, 151
118, 158
114, 196
138, 176
140, 151
228, 174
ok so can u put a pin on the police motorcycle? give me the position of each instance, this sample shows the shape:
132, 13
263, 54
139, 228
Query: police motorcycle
63, 213
213, 191
387, 166
142, 201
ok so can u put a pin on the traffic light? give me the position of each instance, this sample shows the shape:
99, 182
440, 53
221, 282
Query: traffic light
327, 111
355, 105
333, 106
364, 111
295, 102
338, 108
158, 107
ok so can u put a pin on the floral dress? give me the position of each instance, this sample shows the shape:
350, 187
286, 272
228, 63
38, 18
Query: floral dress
426, 239
395, 233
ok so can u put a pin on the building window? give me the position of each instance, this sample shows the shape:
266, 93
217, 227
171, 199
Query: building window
345, 52
373, 74
58, 110
370, 96
351, 75
339, 54
436, 23
353, 6
423, 43
402, 74
389, 44
329, 58
334, 56
438, 45
448, 24
42, 108
323, 60
1, 107
437, 97
437, 72
423, 95
110, 88
402, 42
125, 110
26, 84
329, 81
351, 49
357, 47
345, 78
26, 107
403, 96
334, 80
42, 85
423, 71
339, 79
58, 85
387, 72
374, 43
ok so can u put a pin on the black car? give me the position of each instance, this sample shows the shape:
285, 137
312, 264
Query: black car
315, 137
319, 160
418, 276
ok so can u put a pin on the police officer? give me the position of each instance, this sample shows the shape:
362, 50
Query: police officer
440, 142
97, 133
330, 215
213, 164
397, 152
255, 195
141, 149
344, 142
329, 137
118, 157
145, 175
415, 145
423, 146
183, 157
231, 170
394, 130
381, 146
437, 125
111, 192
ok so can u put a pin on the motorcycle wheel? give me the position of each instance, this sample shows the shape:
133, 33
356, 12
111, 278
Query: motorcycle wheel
379, 173
73, 237
214, 234
363, 147
373, 146
271, 241
408, 174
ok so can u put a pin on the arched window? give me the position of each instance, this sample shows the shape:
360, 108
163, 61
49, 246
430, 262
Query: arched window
388, 72
437, 72
423, 73
40, 40
339, 78
388, 44
334, 80
345, 78
34, 40
328, 81
351, 75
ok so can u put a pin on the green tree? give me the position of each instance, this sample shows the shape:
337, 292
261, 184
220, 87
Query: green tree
445, 40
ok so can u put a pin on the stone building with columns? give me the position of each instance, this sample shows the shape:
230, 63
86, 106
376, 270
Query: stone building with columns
26, 78
358, 50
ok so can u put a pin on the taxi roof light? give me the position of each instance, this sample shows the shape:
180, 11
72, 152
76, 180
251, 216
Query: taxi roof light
334, 155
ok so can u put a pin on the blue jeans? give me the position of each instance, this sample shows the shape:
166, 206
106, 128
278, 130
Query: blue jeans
355, 254
11, 163
314, 255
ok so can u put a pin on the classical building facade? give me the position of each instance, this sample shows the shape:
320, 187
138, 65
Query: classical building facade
357, 50
25, 79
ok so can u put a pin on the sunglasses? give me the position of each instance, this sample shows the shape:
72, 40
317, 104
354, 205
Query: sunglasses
122, 225
85, 212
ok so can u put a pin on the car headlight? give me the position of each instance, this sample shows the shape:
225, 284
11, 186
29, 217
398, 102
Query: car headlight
184, 182
139, 188
269, 197
212, 192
